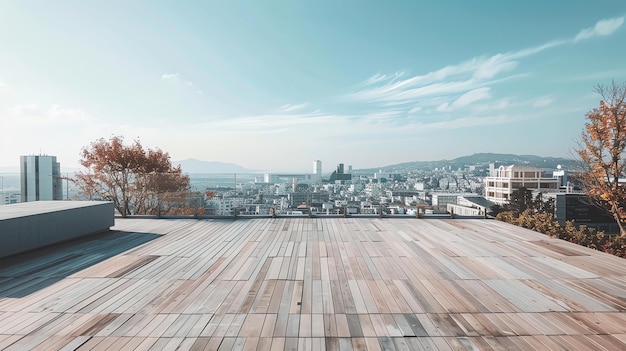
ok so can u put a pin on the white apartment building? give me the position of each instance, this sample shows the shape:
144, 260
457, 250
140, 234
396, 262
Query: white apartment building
40, 178
9, 198
220, 206
506, 179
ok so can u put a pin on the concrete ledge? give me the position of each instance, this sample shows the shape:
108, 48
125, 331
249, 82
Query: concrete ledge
30, 225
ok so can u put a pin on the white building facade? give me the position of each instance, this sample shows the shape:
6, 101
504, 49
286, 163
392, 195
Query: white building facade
506, 179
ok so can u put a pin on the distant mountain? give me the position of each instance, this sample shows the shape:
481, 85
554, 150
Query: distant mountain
197, 166
481, 159
507, 159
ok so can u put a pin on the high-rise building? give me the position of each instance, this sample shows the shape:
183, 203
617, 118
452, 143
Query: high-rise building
317, 172
40, 178
317, 167
338, 175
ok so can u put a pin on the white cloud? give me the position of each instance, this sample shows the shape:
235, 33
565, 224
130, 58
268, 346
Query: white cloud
449, 80
602, 28
272, 122
493, 66
443, 107
61, 113
294, 108
494, 106
25, 110
33, 114
459, 123
415, 109
170, 76
463, 77
378, 77
382, 116
471, 97
543, 102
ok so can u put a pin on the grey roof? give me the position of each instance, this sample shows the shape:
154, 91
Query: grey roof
24, 209
479, 200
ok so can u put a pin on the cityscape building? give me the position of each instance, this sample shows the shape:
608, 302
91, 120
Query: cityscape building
504, 180
581, 210
40, 178
441, 200
339, 176
317, 167
470, 205
316, 178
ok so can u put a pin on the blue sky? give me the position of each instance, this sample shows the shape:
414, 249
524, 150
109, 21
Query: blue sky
274, 85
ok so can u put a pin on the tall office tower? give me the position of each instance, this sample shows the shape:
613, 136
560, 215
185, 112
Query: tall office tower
317, 172
317, 167
40, 178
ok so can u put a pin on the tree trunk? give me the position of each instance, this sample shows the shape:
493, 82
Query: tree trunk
622, 230
618, 219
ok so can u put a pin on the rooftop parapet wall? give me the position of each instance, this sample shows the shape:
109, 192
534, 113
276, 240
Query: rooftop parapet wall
31, 225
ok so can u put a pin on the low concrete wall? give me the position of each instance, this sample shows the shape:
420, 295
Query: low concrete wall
30, 225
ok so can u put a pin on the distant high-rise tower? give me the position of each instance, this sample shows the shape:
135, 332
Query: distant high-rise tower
40, 178
317, 167
338, 175
317, 172
340, 168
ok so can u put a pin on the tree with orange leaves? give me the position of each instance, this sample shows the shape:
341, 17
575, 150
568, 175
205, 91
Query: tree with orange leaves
135, 179
601, 152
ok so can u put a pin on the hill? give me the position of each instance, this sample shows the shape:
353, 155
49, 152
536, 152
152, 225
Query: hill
480, 159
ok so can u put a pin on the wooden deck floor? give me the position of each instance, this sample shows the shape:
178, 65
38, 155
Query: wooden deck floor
314, 284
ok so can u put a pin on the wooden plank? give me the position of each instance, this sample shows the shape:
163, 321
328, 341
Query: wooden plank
379, 325
235, 325
198, 324
317, 325
269, 324
252, 325
293, 326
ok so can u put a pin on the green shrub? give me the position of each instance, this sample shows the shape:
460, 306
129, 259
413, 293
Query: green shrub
582, 235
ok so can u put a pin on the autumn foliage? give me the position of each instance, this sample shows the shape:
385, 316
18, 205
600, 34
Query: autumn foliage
135, 179
602, 153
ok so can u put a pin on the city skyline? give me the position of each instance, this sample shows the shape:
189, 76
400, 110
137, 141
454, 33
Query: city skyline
276, 85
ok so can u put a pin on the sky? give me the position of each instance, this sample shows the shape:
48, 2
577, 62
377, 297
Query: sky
274, 85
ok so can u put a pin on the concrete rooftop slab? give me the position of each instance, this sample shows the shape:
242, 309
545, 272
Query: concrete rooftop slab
25, 209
